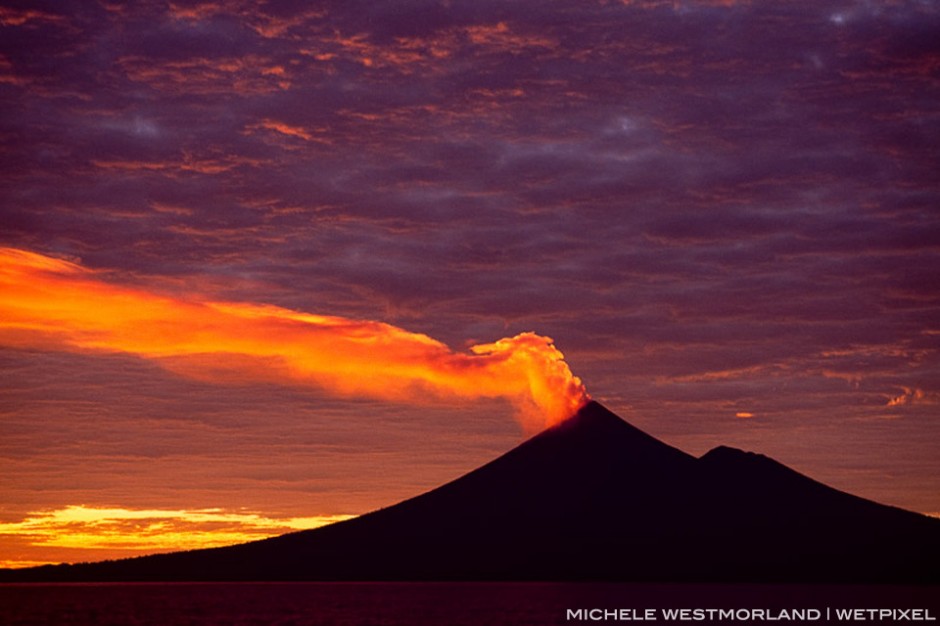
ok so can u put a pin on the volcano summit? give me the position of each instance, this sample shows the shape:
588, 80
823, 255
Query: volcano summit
592, 498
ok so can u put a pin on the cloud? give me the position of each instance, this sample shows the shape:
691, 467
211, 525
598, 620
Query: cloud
236, 76
914, 396
97, 532
10, 16
502, 38
283, 130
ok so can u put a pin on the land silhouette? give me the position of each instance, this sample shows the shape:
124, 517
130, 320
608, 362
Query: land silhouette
591, 499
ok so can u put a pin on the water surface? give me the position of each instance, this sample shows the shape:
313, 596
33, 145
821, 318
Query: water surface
418, 604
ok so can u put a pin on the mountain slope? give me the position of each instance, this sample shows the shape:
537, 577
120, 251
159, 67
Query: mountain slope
779, 524
591, 499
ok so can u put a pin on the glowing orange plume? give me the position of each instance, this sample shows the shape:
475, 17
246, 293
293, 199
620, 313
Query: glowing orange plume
54, 304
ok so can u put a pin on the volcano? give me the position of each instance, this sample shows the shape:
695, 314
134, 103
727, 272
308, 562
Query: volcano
590, 499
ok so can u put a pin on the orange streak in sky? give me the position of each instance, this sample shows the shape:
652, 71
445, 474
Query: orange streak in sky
49, 303
78, 532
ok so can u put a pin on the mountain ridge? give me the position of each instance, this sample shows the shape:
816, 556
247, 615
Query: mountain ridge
592, 498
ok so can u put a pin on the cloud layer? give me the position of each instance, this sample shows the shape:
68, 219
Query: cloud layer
81, 533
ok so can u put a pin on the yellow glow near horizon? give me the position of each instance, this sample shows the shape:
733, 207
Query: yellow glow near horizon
140, 531
52, 304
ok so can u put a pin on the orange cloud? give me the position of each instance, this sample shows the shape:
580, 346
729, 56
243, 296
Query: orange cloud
186, 163
288, 131
248, 75
95, 533
913, 395
729, 374
50, 303
17, 17
500, 37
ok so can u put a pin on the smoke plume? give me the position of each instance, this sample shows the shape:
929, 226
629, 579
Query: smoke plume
52, 304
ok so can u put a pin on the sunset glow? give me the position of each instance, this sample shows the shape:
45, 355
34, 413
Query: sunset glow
54, 304
93, 533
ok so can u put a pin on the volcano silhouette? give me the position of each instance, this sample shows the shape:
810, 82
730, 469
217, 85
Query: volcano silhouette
592, 498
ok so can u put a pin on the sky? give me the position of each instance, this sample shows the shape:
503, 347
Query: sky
269, 264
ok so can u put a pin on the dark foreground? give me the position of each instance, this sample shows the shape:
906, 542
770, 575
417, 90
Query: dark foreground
456, 604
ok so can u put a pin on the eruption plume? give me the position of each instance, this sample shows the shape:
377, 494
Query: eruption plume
50, 303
